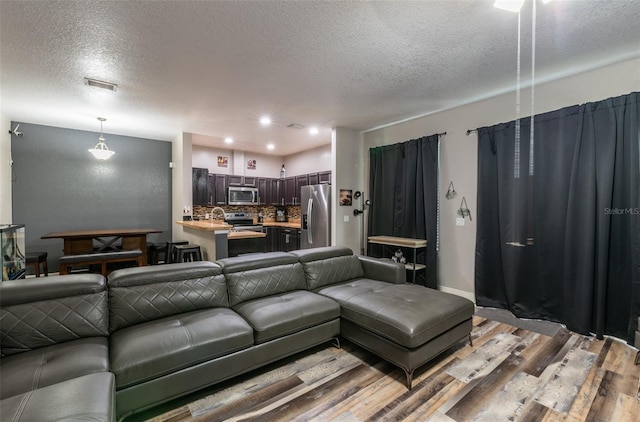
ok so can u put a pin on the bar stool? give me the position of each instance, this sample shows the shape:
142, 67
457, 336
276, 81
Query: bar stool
171, 255
188, 253
35, 259
154, 250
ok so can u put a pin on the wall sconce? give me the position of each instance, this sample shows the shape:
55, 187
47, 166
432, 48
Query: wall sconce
101, 150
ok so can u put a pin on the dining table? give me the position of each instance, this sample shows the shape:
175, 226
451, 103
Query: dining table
82, 241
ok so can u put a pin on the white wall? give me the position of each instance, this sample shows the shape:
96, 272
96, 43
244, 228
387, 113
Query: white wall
347, 174
310, 161
181, 192
266, 165
459, 151
6, 215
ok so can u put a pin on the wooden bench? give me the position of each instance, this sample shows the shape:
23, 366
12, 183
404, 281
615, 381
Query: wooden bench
102, 258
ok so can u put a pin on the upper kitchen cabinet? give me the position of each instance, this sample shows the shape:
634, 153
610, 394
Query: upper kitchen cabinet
219, 182
200, 186
289, 191
263, 191
248, 181
317, 178
234, 180
292, 186
324, 177
275, 189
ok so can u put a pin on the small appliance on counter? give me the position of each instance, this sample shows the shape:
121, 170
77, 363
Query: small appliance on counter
281, 214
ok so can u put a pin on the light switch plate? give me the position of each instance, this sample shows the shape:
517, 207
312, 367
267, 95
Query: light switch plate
459, 221
346, 218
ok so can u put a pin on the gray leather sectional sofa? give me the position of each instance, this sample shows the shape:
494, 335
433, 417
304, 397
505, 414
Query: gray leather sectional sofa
152, 334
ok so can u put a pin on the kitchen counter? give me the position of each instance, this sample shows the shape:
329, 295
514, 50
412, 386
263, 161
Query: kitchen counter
288, 224
206, 225
245, 235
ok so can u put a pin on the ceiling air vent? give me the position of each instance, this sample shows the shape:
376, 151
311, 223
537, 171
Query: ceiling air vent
295, 126
100, 84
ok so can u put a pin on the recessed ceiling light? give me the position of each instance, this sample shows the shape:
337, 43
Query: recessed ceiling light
270, 146
265, 121
100, 84
228, 140
313, 130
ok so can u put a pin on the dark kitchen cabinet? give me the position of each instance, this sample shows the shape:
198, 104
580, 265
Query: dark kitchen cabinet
302, 180
276, 192
292, 186
250, 181
211, 181
220, 189
200, 186
289, 191
324, 177
289, 240
234, 180
313, 179
263, 191
273, 239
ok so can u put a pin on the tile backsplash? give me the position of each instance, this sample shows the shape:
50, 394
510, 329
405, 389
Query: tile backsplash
269, 212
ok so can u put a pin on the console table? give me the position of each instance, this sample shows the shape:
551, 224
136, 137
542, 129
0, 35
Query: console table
403, 242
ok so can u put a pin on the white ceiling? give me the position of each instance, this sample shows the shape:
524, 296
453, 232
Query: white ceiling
212, 68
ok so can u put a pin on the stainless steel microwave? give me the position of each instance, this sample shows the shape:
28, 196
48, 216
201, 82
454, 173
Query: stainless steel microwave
242, 196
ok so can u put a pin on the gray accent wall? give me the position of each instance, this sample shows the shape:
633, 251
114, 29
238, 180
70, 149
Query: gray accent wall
57, 185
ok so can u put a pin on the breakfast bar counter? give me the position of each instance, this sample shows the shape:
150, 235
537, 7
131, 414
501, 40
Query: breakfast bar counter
206, 225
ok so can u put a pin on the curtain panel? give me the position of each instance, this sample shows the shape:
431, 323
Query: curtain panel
563, 243
403, 182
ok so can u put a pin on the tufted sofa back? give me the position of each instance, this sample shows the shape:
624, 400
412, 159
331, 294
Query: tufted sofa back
329, 265
253, 276
144, 294
40, 312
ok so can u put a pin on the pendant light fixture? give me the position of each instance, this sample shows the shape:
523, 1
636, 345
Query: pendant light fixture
101, 150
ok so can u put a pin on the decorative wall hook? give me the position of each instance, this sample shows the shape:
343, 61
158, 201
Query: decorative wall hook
451, 192
464, 211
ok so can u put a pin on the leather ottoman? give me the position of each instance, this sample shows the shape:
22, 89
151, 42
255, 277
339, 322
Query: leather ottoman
405, 324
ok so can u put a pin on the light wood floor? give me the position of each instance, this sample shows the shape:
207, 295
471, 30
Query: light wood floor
508, 374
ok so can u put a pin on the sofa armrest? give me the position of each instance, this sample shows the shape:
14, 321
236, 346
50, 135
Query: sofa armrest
383, 270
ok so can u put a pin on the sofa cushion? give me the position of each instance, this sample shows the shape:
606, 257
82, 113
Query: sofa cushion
254, 276
41, 312
49, 365
407, 314
329, 265
152, 349
87, 398
279, 315
144, 294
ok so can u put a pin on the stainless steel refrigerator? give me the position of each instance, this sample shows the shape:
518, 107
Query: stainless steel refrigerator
316, 216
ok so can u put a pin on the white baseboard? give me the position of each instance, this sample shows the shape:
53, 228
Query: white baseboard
466, 295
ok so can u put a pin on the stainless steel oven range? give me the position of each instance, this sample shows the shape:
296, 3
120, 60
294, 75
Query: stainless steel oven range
242, 221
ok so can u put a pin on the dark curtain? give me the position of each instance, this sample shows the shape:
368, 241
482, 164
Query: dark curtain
403, 182
563, 244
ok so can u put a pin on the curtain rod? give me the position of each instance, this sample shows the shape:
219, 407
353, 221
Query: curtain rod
440, 134
470, 131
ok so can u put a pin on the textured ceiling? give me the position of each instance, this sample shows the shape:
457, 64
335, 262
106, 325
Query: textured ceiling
212, 68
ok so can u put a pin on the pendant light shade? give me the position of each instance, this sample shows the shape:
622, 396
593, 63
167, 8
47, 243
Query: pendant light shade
101, 150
